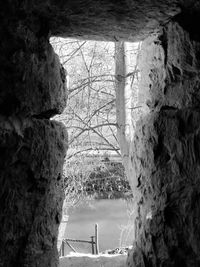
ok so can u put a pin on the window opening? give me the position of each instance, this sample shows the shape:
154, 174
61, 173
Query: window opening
96, 187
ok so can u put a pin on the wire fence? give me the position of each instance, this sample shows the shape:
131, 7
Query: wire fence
93, 242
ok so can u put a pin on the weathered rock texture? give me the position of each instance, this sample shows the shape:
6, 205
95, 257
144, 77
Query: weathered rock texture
170, 67
31, 191
32, 148
38, 86
107, 19
166, 147
166, 153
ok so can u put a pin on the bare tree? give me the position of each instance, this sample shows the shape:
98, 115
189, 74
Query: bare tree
90, 112
99, 111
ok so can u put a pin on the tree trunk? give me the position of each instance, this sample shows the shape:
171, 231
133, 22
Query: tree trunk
122, 88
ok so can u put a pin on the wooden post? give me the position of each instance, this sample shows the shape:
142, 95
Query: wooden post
92, 242
63, 249
96, 239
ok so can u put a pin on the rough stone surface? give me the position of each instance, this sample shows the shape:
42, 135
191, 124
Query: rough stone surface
165, 156
32, 148
31, 159
32, 78
107, 19
170, 66
164, 161
167, 159
135, 257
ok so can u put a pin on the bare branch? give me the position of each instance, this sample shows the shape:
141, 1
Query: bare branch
74, 53
91, 149
96, 132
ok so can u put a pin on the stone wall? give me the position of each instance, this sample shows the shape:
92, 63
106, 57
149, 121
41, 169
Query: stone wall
166, 153
32, 147
164, 163
100, 19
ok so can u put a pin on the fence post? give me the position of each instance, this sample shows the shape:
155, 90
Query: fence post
96, 239
92, 242
63, 249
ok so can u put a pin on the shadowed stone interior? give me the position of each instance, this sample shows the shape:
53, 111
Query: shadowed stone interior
165, 162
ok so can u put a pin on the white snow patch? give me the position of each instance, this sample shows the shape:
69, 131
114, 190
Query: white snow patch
89, 260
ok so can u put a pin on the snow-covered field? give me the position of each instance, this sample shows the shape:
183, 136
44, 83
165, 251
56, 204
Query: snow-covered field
113, 221
89, 260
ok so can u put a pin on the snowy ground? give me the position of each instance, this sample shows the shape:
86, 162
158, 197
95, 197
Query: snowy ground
116, 229
89, 260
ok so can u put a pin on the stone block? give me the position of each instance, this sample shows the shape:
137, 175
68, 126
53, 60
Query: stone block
33, 82
166, 161
31, 160
169, 67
